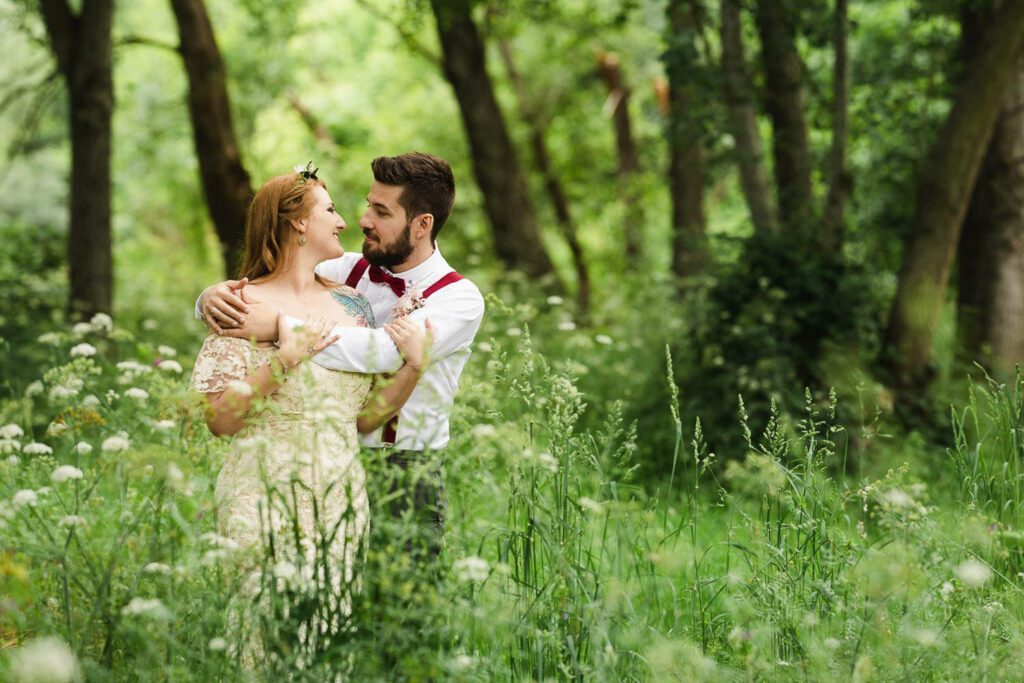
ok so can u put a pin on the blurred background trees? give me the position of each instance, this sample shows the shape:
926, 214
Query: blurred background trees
787, 193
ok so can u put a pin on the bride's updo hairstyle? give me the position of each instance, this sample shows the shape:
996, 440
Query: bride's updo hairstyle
280, 201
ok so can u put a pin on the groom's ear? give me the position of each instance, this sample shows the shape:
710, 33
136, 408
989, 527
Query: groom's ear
424, 224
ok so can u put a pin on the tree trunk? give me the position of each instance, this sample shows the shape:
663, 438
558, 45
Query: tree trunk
685, 142
226, 184
626, 152
944, 188
784, 101
82, 46
552, 183
833, 226
739, 99
990, 293
495, 163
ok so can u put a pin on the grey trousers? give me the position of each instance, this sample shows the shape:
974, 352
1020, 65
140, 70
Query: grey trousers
417, 498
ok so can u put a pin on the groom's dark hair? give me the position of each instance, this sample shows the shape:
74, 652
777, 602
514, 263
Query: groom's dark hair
427, 182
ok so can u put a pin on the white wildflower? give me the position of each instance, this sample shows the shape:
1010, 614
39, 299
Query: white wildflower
115, 444
111, 395
471, 569
513, 332
166, 351
603, 339
83, 350
171, 366
34, 389
65, 473
82, 448
43, 490
217, 644
101, 322
9, 446
164, 425
56, 428
973, 573
146, 607
137, 394
567, 326
90, 401
13, 460
81, 329
25, 497
897, 498
482, 431
11, 431
36, 448
62, 391
241, 388
156, 568
133, 366
44, 660
72, 521
555, 300
49, 338
149, 324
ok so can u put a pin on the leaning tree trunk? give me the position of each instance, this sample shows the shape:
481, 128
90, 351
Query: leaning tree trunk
685, 142
833, 222
226, 184
626, 152
943, 193
784, 101
82, 46
496, 166
552, 183
990, 292
739, 100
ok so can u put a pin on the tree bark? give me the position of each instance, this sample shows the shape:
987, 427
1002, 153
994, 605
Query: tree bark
833, 225
496, 166
685, 142
82, 46
739, 99
784, 101
990, 293
943, 193
552, 183
226, 183
626, 152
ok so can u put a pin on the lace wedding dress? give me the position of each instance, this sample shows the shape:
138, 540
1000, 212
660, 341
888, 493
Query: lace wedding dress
291, 492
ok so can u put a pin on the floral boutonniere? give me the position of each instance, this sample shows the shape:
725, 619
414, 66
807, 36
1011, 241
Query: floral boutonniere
407, 303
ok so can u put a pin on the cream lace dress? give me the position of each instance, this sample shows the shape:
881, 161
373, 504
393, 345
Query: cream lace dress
291, 492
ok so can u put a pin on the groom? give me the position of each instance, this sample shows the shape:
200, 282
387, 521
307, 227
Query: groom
401, 268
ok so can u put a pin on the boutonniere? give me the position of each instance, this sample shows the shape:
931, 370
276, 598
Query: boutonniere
408, 302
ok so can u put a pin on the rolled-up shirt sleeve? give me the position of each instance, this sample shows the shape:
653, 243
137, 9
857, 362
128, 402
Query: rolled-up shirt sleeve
455, 313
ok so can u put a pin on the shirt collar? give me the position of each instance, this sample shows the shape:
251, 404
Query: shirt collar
435, 262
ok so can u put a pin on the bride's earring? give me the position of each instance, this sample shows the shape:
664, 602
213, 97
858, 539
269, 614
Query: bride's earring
302, 240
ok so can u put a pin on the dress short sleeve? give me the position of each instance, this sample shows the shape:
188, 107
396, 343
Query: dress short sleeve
221, 360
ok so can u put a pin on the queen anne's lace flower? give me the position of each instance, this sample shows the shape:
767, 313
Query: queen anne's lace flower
101, 322
83, 350
81, 329
471, 569
136, 393
171, 366
82, 448
65, 473
146, 607
72, 521
166, 351
9, 446
36, 448
115, 444
217, 644
45, 659
973, 573
25, 497
11, 431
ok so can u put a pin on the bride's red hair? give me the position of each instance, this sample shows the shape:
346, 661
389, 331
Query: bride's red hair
281, 200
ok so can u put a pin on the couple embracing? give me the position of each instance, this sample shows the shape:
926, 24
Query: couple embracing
387, 332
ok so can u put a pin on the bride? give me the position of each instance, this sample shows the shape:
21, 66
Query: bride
291, 487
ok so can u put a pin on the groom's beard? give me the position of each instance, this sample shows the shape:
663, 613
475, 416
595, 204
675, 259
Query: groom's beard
391, 255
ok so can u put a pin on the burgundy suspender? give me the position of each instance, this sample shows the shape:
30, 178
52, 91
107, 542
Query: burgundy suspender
357, 272
391, 428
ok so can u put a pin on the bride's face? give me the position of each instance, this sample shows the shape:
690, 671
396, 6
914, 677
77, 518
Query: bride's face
323, 225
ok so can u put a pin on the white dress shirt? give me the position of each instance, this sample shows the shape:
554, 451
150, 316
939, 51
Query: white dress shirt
455, 312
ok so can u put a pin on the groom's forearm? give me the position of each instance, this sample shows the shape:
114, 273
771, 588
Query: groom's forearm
358, 349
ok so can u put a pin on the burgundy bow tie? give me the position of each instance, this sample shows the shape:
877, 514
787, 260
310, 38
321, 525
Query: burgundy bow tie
382, 277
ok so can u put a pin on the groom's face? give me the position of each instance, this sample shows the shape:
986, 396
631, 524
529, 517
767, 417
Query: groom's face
386, 230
